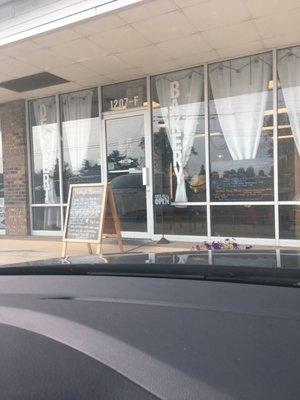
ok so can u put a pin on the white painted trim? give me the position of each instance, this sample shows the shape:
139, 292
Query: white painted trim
275, 147
195, 203
148, 153
46, 233
101, 136
45, 205
29, 163
60, 159
289, 203
181, 238
104, 151
207, 152
129, 112
47, 19
278, 258
242, 203
149, 160
289, 243
114, 5
135, 235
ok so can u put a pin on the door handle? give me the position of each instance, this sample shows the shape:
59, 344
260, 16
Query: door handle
145, 175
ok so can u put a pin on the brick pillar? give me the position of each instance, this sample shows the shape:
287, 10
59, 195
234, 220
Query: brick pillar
15, 167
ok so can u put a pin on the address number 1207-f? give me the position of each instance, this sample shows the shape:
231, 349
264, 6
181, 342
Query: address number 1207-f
124, 102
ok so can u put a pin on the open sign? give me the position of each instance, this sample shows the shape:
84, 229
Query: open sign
162, 200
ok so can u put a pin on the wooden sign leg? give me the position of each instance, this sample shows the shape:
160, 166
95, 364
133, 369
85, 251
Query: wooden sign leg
64, 249
120, 242
115, 218
99, 248
89, 248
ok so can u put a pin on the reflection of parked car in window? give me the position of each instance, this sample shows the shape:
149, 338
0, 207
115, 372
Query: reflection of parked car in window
96, 178
126, 188
39, 191
128, 163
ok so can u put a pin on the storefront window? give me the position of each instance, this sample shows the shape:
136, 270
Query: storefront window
2, 209
46, 218
81, 138
45, 160
241, 129
125, 95
240, 145
289, 123
243, 221
178, 135
45, 140
190, 220
289, 222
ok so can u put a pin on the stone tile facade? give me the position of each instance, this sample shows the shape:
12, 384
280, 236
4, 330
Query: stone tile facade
15, 167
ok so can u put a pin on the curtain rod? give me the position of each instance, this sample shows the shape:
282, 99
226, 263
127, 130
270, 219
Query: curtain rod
189, 74
254, 59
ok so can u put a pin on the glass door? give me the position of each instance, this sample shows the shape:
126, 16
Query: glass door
127, 170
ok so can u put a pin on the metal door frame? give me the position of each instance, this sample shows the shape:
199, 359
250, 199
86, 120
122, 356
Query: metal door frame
148, 234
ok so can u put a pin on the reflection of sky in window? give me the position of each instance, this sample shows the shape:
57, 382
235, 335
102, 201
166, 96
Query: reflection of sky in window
197, 157
36, 145
126, 135
90, 144
93, 146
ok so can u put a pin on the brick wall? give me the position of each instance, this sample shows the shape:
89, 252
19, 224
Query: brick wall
15, 167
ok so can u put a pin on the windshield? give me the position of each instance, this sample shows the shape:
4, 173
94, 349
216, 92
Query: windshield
127, 140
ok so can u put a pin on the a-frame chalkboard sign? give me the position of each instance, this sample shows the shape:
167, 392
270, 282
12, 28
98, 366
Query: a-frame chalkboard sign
91, 213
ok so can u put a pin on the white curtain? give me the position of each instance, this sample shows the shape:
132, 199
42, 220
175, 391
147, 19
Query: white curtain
190, 89
240, 92
77, 113
47, 136
46, 133
289, 77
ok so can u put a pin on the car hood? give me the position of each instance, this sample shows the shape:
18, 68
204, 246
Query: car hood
238, 258
158, 338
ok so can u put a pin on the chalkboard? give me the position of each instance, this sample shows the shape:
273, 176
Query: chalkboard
91, 213
85, 210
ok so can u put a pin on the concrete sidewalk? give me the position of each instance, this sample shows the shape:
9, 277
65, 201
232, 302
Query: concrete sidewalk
31, 248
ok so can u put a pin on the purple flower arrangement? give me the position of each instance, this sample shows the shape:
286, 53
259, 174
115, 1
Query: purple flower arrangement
228, 244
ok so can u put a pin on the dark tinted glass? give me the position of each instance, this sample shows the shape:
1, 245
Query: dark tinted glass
289, 222
190, 220
46, 218
243, 221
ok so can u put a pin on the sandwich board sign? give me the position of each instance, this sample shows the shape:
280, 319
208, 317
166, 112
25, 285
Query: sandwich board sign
91, 213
